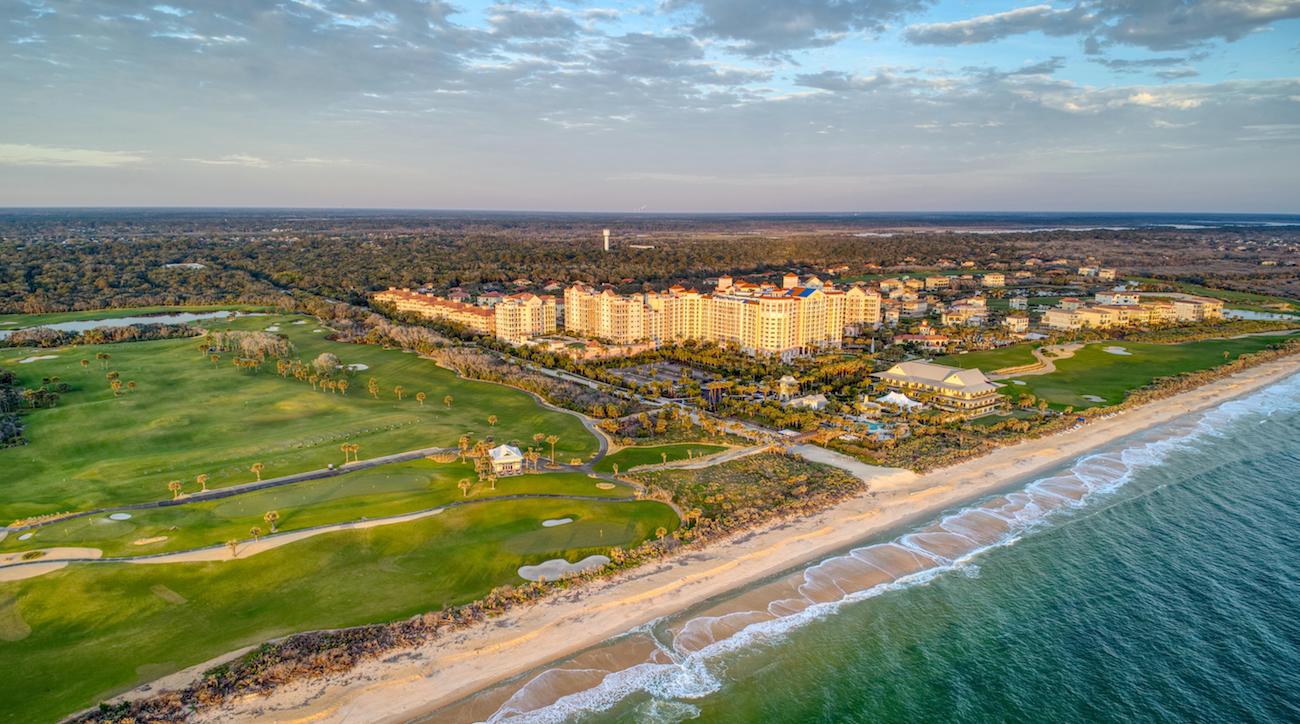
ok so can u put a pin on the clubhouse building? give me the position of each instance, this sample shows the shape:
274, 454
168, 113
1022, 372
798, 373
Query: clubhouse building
964, 391
507, 460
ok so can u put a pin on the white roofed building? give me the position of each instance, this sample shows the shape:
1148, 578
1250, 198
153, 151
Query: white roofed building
964, 391
506, 460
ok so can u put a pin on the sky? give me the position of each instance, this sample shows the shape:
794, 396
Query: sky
656, 106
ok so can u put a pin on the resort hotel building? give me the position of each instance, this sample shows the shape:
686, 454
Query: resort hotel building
514, 318
793, 319
964, 391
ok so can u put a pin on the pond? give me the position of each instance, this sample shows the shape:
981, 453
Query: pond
1252, 314
174, 318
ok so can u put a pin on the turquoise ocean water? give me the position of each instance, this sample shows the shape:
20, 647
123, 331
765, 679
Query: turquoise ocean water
1157, 579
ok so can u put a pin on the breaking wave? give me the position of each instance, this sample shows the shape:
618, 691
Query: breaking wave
686, 659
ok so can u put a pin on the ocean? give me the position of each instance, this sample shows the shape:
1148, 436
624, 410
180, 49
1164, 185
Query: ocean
1157, 579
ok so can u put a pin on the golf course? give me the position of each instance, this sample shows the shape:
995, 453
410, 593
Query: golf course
163, 576
1103, 373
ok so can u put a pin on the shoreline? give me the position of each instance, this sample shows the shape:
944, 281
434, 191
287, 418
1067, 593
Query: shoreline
419, 681
441, 673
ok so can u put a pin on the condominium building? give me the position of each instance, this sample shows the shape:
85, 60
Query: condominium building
994, 279
757, 318
964, 312
964, 391
513, 318
1106, 316
1197, 309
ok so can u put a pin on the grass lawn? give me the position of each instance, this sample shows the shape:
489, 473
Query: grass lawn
630, 457
17, 321
372, 493
189, 417
75, 636
1093, 371
994, 359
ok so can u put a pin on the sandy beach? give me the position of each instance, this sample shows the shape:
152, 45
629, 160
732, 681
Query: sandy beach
421, 680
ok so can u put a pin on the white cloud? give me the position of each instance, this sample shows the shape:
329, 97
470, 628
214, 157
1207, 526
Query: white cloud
234, 159
22, 154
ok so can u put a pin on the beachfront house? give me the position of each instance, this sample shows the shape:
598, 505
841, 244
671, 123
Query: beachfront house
964, 391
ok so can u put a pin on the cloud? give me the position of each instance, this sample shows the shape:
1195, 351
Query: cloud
515, 22
769, 27
234, 159
837, 81
985, 28
1151, 24
19, 154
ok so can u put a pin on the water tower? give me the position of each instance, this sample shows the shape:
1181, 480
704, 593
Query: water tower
606, 239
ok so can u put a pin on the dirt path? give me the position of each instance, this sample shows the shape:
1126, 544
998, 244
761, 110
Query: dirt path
1046, 364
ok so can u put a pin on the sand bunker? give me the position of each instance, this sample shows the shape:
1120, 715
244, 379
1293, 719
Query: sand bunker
37, 358
558, 567
1094, 398
120, 516
149, 541
1017, 382
556, 521
606, 486
356, 367
1116, 350
301, 321
318, 331
273, 328
26, 536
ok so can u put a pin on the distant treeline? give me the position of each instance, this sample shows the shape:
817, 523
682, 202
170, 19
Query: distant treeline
47, 337
50, 262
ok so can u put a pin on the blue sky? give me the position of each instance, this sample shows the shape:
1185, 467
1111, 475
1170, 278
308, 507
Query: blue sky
665, 105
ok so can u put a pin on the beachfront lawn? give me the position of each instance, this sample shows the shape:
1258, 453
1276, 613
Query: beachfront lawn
630, 457
1014, 355
1094, 376
80, 634
189, 417
366, 494
18, 321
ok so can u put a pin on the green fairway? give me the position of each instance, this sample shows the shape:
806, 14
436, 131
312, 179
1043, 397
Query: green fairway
77, 635
17, 321
993, 359
373, 493
1110, 377
190, 417
630, 457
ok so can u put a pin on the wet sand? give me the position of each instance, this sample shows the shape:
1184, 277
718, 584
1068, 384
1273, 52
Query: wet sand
439, 674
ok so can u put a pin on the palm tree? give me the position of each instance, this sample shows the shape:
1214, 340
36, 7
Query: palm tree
398, 390
663, 456
256, 469
419, 397
492, 420
356, 447
85, 363
345, 448
130, 386
492, 481
552, 439
214, 358
117, 387
660, 532
202, 480
233, 545
372, 387
175, 487
343, 386
271, 517
256, 533
464, 486
616, 470
538, 437
447, 400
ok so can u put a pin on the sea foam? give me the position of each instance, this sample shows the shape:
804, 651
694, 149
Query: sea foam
691, 663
